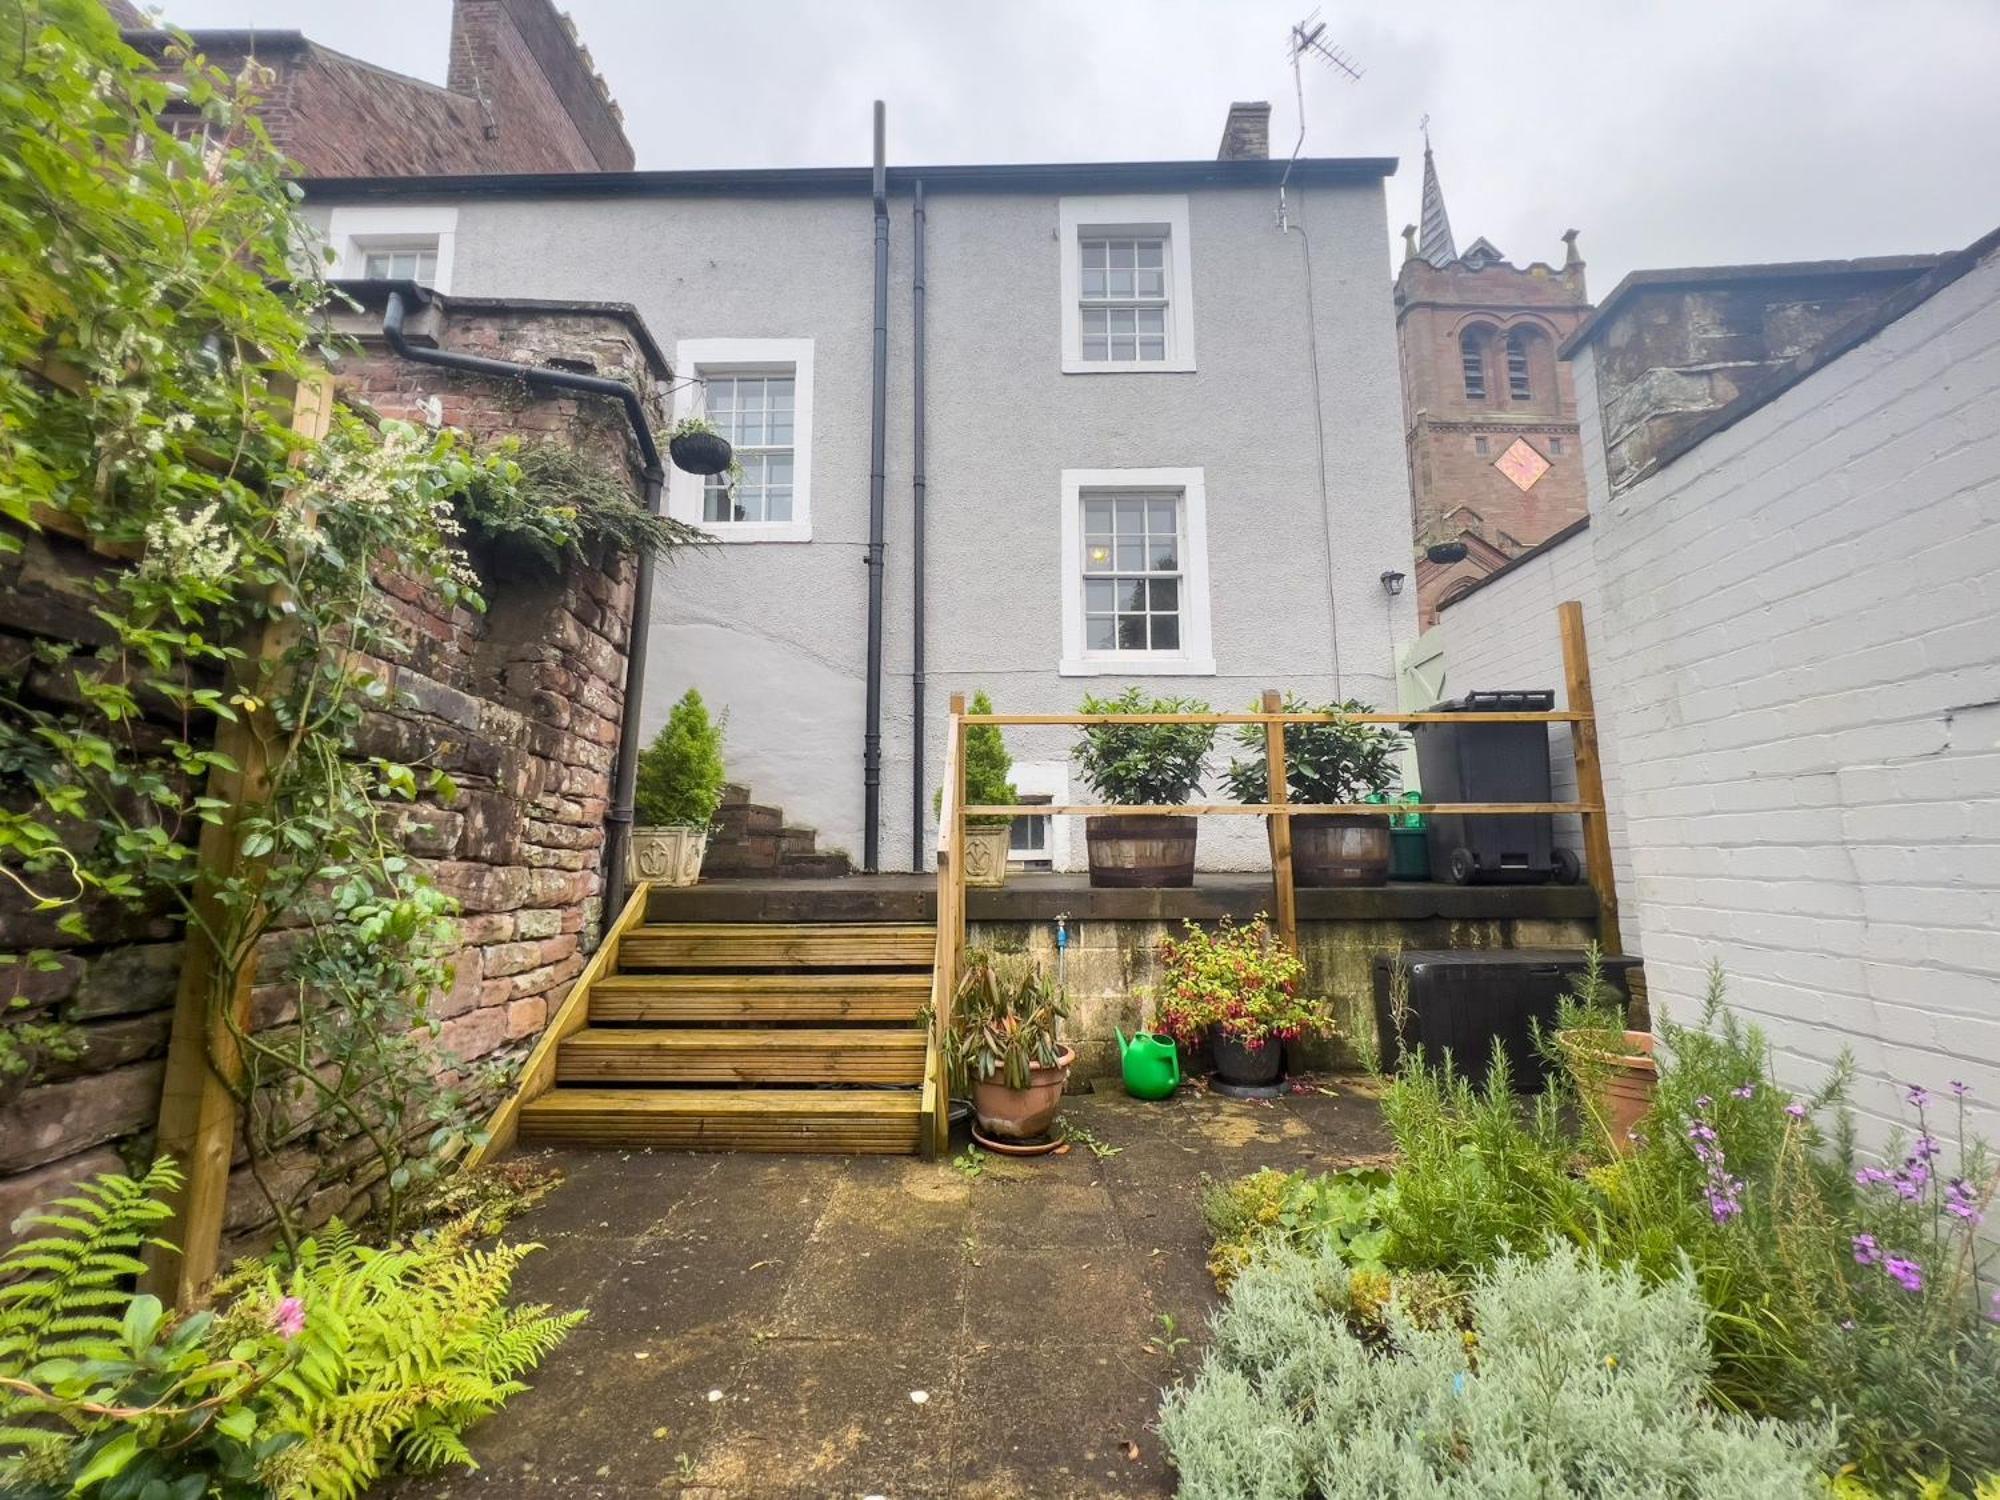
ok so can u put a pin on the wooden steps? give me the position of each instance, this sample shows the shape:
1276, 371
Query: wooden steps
794, 945
818, 1120
741, 1036
742, 1055
694, 999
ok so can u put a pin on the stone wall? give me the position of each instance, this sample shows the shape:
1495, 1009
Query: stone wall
520, 705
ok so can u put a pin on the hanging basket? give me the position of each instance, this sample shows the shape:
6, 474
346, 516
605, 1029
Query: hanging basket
700, 452
1446, 552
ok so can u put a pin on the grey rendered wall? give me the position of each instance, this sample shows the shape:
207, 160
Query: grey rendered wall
775, 631
1801, 636
1504, 635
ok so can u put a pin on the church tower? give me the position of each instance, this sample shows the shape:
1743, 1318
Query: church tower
1489, 415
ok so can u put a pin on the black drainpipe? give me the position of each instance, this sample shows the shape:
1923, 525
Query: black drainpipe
625, 772
871, 744
917, 537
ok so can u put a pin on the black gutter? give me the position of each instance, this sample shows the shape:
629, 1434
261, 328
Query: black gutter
625, 771
917, 532
1021, 177
878, 422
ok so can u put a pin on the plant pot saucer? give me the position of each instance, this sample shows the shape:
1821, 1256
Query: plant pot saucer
1041, 1145
1250, 1090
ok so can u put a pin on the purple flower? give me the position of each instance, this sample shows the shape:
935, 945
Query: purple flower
1960, 1203
1960, 1089
1703, 1102
1926, 1148
289, 1317
1866, 1251
1796, 1110
1906, 1273
1744, 1091
1700, 1131
1993, 1307
1919, 1096
1870, 1177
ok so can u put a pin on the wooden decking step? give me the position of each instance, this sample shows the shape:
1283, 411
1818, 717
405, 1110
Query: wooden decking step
742, 1055
826, 1120
755, 945
694, 999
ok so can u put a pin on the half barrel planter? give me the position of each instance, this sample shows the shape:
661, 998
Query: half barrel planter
1336, 849
1140, 851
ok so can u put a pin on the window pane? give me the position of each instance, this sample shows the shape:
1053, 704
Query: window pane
1124, 348
1132, 595
1096, 554
1131, 554
1160, 517
1150, 319
1099, 633
1151, 252
1166, 555
1096, 349
714, 502
1094, 252
778, 469
1096, 516
1152, 348
1099, 595
1152, 284
1093, 283
1121, 255
778, 503
1164, 594
1166, 632
1131, 632
1095, 319
1131, 517
1119, 283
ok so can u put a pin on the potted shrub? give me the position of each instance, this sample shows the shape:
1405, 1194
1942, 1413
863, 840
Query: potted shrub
1611, 1065
1237, 989
678, 791
987, 765
1340, 761
1156, 765
1003, 1045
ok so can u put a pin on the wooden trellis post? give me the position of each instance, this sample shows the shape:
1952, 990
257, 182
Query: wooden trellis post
1287, 899
1589, 774
197, 1104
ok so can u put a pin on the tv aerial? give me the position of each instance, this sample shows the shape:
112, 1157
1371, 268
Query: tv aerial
1307, 38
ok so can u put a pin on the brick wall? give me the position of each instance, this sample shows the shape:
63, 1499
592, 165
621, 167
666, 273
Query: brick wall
521, 705
1504, 635
1801, 659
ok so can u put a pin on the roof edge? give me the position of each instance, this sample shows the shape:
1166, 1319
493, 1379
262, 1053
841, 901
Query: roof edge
365, 296
1547, 544
1001, 177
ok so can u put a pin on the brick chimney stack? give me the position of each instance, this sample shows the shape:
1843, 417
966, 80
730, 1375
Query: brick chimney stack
522, 61
1246, 136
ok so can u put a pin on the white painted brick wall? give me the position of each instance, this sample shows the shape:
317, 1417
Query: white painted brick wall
1798, 650
1505, 635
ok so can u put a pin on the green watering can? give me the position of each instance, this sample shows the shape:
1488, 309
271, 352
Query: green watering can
1152, 1064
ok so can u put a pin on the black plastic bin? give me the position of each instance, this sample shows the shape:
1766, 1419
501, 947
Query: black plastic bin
1491, 763
1462, 1000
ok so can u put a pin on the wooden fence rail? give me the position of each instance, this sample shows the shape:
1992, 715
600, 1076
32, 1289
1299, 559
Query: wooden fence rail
1580, 716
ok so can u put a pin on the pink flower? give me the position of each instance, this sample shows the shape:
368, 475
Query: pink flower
1866, 1251
1796, 1110
1743, 1091
289, 1318
1919, 1096
1906, 1273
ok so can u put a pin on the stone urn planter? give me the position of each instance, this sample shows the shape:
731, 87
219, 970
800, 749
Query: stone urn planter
1334, 849
986, 854
668, 856
1022, 1114
1143, 851
1617, 1086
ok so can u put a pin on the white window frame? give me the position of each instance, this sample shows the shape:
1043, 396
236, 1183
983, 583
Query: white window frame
1050, 779
1196, 657
353, 232
693, 357
1115, 214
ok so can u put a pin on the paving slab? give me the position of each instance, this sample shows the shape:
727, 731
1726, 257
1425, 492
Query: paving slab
758, 1324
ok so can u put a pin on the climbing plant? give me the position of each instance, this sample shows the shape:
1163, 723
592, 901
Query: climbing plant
159, 302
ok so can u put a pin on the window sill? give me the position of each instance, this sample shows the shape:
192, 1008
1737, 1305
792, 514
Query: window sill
758, 531
1137, 666
1076, 365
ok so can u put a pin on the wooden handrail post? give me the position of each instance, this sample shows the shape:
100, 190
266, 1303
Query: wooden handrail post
1280, 824
1589, 774
957, 760
198, 1110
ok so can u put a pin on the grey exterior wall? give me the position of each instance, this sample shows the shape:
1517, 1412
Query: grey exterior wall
776, 631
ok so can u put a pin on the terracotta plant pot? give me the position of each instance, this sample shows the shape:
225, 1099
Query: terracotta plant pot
668, 856
1330, 849
1143, 851
1618, 1088
1022, 1114
986, 854
1236, 1062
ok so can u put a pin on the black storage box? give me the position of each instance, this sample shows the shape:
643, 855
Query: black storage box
1462, 1000
1491, 763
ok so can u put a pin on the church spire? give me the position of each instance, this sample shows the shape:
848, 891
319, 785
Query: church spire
1435, 245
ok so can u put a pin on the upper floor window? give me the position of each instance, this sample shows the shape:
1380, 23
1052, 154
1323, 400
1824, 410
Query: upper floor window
758, 393
1519, 387
1472, 362
1135, 575
398, 243
1127, 283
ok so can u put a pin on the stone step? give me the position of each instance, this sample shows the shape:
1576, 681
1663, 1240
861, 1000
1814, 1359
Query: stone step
797, 840
748, 818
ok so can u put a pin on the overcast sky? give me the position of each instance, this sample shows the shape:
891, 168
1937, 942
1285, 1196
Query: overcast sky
1670, 132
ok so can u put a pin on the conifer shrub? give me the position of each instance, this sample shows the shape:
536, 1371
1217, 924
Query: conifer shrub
989, 769
681, 772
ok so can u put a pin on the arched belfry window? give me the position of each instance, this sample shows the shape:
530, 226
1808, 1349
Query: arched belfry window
1472, 360
1520, 384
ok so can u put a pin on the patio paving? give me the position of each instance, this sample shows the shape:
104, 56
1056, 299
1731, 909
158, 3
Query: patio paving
809, 1327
